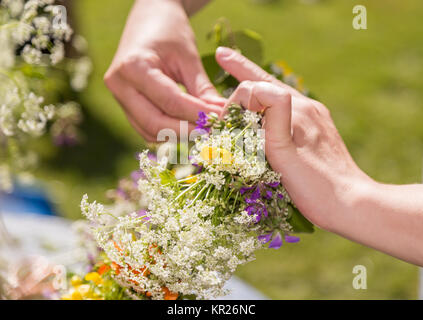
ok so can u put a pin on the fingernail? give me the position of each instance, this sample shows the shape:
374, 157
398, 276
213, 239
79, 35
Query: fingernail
224, 52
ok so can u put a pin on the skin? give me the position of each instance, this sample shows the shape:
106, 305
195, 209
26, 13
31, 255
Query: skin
303, 144
156, 53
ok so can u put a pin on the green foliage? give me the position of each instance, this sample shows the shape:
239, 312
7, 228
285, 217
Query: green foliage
298, 222
371, 81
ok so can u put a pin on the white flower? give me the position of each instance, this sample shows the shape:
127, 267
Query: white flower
31, 55
245, 218
58, 53
217, 179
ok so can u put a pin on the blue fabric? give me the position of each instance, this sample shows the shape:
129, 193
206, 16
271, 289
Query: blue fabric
26, 199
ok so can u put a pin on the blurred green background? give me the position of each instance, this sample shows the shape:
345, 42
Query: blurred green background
371, 80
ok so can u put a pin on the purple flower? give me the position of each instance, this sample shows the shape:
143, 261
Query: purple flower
265, 238
137, 175
264, 210
292, 239
269, 194
280, 196
66, 140
276, 242
245, 189
273, 184
121, 193
258, 209
202, 122
141, 213
251, 210
198, 166
152, 156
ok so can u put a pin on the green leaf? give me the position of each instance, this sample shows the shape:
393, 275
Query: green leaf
167, 177
298, 222
33, 72
248, 42
213, 70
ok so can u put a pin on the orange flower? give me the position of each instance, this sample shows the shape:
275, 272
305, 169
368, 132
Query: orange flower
117, 247
169, 295
103, 269
116, 268
144, 270
134, 282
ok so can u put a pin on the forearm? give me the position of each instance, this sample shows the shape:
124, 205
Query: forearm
388, 218
190, 6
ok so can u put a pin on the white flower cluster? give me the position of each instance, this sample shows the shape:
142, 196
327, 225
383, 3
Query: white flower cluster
37, 25
198, 227
32, 41
173, 246
23, 27
236, 151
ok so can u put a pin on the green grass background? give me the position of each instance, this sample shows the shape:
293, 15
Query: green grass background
371, 80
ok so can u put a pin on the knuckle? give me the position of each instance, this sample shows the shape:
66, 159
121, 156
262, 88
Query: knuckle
314, 135
323, 109
205, 87
128, 63
310, 110
109, 79
245, 86
138, 61
283, 94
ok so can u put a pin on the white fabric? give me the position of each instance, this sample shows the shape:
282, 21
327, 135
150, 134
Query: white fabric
53, 238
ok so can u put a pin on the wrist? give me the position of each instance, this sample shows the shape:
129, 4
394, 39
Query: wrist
353, 194
149, 3
192, 6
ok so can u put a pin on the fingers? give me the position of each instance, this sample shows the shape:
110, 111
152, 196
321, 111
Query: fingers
142, 114
277, 103
243, 69
147, 78
197, 82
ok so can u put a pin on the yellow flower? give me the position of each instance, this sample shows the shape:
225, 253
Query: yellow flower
192, 180
84, 289
285, 68
76, 295
94, 277
211, 153
73, 295
76, 280
208, 153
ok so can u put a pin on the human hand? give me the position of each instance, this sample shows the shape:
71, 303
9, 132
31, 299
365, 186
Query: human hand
157, 51
302, 142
